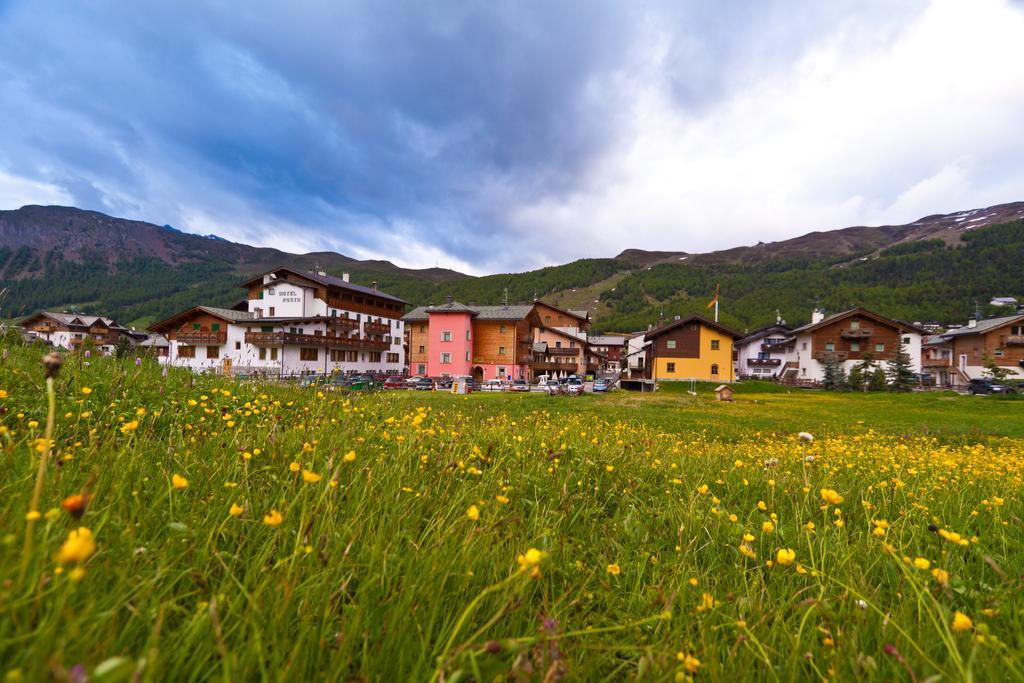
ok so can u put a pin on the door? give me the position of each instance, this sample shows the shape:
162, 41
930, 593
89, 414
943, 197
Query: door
963, 362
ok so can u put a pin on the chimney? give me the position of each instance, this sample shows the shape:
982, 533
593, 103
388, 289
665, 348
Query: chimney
972, 322
373, 285
677, 318
817, 315
448, 299
344, 277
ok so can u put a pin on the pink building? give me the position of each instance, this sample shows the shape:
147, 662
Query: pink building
450, 330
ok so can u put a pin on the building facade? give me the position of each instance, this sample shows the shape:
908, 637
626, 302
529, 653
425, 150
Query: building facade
73, 331
613, 350
999, 340
691, 348
292, 323
762, 353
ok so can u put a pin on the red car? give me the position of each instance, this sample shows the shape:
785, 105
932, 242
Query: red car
394, 382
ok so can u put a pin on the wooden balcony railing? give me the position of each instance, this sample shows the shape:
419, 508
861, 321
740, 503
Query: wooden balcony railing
764, 362
1015, 339
859, 333
202, 338
376, 311
825, 356
936, 362
328, 341
552, 364
343, 324
774, 348
376, 328
559, 351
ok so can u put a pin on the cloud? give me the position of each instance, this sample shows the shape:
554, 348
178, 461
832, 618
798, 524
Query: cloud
506, 135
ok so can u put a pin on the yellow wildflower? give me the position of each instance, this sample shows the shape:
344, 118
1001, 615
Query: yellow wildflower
473, 512
236, 510
961, 622
831, 496
273, 518
310, 477
785, 556
613, 569
78, 546
179, 482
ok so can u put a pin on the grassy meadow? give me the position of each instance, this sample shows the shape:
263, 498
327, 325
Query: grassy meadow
186, 528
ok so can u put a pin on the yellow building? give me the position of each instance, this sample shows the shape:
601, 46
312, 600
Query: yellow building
691, 348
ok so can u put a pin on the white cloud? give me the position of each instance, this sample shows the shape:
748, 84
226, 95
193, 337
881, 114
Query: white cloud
17, 192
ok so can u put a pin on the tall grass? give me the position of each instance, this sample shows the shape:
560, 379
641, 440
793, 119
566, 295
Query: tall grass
406, 521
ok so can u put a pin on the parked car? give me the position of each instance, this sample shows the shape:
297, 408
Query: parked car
394, 382
519, 385
314, 381
574, 386
552, 387
443, 383
987, 386
362, 383
421, 384
493, 385
602, 386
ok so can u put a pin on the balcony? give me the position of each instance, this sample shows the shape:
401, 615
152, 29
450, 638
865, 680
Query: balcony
825, 356
553, 365
856, 333
202, 338
764, 362
1015, 340
775, 348
558, 351
376, 328
936, 362
343, 324
329, 341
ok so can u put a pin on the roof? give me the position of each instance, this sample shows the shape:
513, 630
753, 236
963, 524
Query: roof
810, 327
762, 332
480, 312
983, 326
607, 340
580, 337
154, 340
451, 307
68, 318
689, 319
328, 281
582, 315
231, 315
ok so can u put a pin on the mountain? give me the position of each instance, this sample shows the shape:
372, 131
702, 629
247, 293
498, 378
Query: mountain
935, 268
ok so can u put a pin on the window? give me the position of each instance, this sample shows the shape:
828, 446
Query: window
501, 350
998, 353
670, 344
337, 356
266, 328
352, 356
273, 353
467, 356
906, 340
392, 357
879, 348
263, 353
803, 371
1017, 330
501, 373
830, 347
714, 344
374, 356
309, 354
186, 352
501, 329
423, 349
195, 327
423, 329
271, 290
714, 368
421, 369
855, 346
446, 358
446, 336
558, 344
215, 327
467, 335
803, 346
213, 352
670, 367
854, 324
271, 311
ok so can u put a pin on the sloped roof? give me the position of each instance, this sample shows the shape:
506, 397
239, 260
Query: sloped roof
68, 318
607, 340
420, 313
810, 327
327, 280
451, 307
689, 319
762, 332
986, 325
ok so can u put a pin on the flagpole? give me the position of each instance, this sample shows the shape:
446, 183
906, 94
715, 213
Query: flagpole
716, 309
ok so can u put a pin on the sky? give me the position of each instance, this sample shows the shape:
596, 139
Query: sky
499, 136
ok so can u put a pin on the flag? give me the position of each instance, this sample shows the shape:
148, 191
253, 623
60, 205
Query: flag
714, 300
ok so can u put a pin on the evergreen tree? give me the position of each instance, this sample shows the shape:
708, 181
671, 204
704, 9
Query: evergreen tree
863, 371
901, 373
856, 379
835, 376
878, 380
993, 370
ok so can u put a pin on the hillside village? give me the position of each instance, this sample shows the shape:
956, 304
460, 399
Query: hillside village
306, 323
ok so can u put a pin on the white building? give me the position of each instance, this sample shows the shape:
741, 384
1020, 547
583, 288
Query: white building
72, 331
636, 356
848, 338
762, 353
292, 323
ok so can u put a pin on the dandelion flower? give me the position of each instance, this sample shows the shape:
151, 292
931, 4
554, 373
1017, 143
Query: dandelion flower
922, 563
78, 546
473, 512
767, 526
614, 569
32, 515
295, 467
690, 663
961, 622
831, 496
179, 482
236, 510
273, 518
941, 576
350, 456
86, 391
310, 477
785, 556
